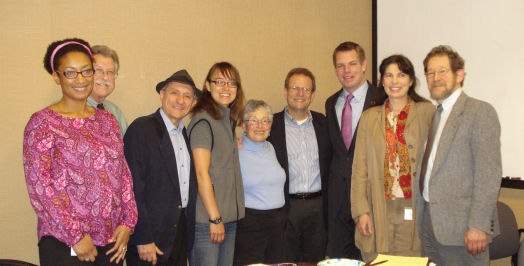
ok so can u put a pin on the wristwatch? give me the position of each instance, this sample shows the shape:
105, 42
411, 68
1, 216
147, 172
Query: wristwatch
216, 220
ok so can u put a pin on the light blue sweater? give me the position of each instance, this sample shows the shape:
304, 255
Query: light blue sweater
262, 175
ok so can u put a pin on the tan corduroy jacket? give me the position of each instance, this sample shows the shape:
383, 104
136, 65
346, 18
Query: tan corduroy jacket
367, 181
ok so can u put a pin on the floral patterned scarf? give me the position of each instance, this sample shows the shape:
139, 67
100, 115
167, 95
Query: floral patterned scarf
397, 171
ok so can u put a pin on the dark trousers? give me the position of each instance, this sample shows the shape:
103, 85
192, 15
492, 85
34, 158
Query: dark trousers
178, 254
259, 237
305, 235
341, 237
53, 252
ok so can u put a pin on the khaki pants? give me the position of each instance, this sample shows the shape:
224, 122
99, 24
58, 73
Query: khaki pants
400, 231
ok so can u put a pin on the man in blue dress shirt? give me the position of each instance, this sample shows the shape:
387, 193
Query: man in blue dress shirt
301, 142
164, 182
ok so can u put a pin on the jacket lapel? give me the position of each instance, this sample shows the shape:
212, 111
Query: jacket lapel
412, 114
369, 101
280, 139
448, 133
192, 177
332, 113
167, 152
381, 116
317, 126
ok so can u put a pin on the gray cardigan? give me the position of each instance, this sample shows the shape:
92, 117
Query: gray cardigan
224, 169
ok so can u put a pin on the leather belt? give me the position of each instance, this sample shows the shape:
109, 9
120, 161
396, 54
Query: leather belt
305, 196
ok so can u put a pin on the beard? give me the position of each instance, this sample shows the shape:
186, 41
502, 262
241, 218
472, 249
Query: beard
440, 96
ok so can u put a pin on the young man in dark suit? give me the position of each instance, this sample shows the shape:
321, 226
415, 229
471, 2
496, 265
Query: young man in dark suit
300, 139
343, 110
164, 182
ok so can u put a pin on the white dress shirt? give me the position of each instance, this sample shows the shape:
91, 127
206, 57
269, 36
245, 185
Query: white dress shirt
447, 106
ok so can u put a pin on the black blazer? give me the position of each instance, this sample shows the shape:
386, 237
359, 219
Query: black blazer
342, 160
277, 137
152, 161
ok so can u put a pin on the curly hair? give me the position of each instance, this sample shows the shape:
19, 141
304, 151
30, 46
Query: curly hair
72, 47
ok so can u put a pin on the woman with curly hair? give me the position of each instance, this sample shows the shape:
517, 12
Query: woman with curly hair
78, 180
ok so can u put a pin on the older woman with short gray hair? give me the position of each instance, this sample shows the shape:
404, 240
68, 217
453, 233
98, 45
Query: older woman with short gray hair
260, 233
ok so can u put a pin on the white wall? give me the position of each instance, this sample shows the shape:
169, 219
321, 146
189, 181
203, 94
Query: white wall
489, 36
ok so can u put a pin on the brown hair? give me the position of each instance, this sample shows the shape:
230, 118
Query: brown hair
406, 67
206, 102
456, 62
349, 46
300, 71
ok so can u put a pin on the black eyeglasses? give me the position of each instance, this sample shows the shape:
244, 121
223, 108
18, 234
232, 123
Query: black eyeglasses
222, 83
70, 74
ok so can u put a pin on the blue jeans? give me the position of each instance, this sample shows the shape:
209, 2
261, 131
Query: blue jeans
205, 253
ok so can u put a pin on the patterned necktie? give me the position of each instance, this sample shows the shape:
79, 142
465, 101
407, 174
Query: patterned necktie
346, 124
100, 106
429, 144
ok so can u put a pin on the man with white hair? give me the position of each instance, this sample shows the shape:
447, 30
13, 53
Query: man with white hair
105, 63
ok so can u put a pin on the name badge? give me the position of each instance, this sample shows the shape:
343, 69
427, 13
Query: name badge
408, 214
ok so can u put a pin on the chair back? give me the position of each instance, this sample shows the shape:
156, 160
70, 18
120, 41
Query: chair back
6, 262
519, 259
507, 243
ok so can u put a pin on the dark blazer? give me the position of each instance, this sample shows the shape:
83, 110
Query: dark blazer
277, 137
152, 161
341, 164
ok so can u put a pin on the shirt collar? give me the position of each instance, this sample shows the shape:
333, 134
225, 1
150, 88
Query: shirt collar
359, 95
169, 124
448, 103
92, 101
290, 118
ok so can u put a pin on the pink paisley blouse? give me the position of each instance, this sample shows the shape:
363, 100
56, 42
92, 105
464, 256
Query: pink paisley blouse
77, 176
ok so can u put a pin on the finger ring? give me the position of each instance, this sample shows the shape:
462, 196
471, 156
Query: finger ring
124, 249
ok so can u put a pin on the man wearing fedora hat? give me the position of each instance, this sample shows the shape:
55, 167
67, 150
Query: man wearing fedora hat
164, 182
